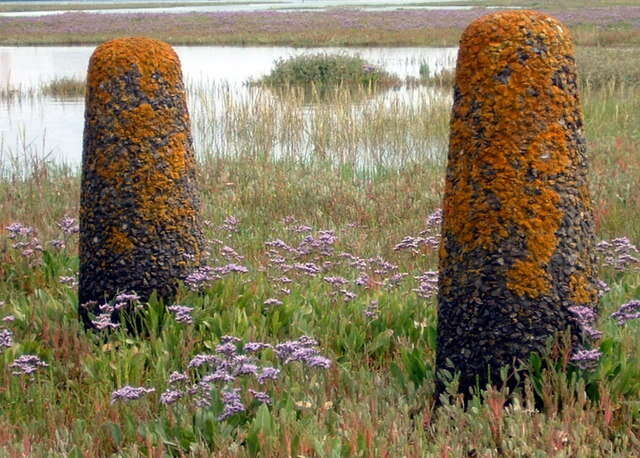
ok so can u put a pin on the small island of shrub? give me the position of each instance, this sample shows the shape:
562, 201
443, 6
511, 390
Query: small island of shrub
324, 71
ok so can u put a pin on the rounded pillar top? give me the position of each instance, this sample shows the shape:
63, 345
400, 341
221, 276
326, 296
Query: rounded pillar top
151, 58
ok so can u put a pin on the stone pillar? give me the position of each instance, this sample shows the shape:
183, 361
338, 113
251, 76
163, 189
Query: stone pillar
517, 238
139, 212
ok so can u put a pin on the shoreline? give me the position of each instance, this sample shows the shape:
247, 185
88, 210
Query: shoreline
612, 26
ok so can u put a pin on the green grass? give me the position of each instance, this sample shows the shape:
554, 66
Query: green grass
375, 399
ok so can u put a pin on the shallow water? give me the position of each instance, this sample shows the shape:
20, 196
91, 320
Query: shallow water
54, 127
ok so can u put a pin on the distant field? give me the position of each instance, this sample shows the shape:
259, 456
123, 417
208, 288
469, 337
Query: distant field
591, 26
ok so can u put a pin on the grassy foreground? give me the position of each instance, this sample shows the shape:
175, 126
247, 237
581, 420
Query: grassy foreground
318, 237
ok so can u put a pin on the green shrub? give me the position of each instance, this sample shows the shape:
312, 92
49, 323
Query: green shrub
327, 70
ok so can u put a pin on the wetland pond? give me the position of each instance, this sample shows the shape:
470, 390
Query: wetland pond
224, 109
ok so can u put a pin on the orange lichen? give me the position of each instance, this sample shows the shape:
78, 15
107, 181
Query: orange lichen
118, 241
510, 141
582, 290
148, 57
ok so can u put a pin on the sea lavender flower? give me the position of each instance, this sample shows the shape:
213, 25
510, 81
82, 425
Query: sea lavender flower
230, 253
347, 295
103, 321
182, 313
603, 288
170, 397
272, 301
336, 281
9, 319
220, 375
130, 393
6, 338
627, 312
428, 284
371, 311
57, 244
230, 224
619, 253
69, 281
318, 361
199, 277
17, 229
260, 396
395, 279
268, 373
202, 359
124, 297
434, 220
232, 404
233, 268
69, 225
586, 359
27, 365
177, 377
228, 349
254, 347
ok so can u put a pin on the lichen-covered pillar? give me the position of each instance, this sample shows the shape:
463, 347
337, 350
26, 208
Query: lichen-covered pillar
139, 211
517, 238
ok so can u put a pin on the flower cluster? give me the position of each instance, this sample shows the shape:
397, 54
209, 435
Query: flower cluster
586, 318
586, 359
25, 240
427, 284
130, 393
200, 277
619, 253
429, 238
233, 362
627, 312
182, 313
27, 365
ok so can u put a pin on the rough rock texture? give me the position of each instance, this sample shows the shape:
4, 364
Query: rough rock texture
139, 216
518, 239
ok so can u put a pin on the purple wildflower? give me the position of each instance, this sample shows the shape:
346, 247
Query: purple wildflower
232, 404
318, 361
619, 253
182, 313
230, 224
627, 312
69, 281
124, 297
199, 277
428, 284
272, 302
586, 359
27, 365
103, 321
57, 244
69, 225
17, 229
253, 347
6, 338
9, 319
170, 397
177, 377
228, 349
336, 281
268, 373
130, 393
202, 359
220, 375
260, 396
371, 311
347, 295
